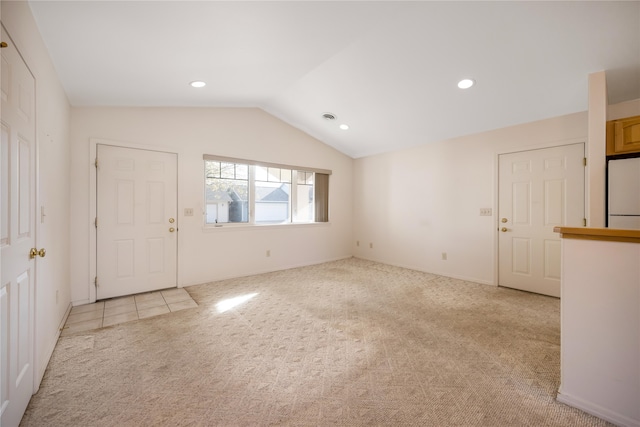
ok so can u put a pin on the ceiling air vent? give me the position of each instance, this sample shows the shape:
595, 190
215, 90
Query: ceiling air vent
328, 116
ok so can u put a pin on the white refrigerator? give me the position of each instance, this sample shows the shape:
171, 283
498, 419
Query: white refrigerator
624, 193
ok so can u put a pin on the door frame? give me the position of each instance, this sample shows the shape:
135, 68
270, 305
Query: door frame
496, 189
93, 204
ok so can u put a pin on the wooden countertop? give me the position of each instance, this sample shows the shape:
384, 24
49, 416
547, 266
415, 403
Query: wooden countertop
608, 234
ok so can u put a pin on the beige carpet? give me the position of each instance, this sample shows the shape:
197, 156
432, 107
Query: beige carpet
349, 343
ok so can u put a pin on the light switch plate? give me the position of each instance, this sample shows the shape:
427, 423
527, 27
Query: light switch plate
188, 211
485, 211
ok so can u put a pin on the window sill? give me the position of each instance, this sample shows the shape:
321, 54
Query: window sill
211, 228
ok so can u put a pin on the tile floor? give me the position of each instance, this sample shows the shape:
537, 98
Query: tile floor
126, 309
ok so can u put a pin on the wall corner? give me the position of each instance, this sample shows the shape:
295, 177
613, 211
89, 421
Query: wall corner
596, 149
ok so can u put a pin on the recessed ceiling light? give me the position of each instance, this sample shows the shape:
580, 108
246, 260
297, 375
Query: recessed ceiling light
198, 84
344, 127
465, 83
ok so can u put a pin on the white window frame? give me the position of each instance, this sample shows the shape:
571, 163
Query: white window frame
293, 196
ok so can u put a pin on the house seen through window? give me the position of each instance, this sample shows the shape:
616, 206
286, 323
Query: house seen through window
252, 193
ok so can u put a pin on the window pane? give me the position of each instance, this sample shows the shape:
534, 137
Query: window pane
272, 197
226, 192
305, 210
261, 173
285, 175
212, 169
227, 170
302, 177
242, 171
274, 175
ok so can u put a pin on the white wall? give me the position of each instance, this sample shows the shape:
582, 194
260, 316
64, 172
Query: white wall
414, 204
624, 109
600, 348
53, 294
213, 253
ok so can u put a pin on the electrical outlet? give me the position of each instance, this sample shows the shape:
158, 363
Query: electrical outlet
188, 211
268, 253
485, 212
357, 242
444, 256
370, 245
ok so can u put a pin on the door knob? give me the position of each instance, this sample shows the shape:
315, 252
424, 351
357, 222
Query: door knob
171, 220
171, 230
35, 252
504, 220
503, 229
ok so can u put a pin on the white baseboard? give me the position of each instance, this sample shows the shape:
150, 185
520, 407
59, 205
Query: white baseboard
598, 411
267, 270
416, 268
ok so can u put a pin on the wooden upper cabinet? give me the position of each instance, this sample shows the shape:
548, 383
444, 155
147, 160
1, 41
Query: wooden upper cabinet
623, 136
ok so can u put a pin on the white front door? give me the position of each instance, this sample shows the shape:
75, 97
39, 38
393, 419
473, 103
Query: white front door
136, 221
538, 190
17, 289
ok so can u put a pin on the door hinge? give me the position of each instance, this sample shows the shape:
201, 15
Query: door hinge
584, 222
96, 163
95, 222
95, 281
584, 161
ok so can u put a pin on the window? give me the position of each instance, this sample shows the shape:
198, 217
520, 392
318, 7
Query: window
226, 192
273, 195
243, 191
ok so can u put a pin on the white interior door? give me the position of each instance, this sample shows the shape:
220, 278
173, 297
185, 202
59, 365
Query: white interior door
538, 190
17, 289
136, 221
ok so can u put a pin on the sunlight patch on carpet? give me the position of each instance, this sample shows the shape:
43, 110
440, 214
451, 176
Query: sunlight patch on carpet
229, 303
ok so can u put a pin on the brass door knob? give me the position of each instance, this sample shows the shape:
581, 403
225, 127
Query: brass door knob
504, 229
171, 220
504, 219
171, 230
35, 252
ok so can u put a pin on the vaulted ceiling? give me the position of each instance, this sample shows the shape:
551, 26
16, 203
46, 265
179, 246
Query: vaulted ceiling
387, 69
